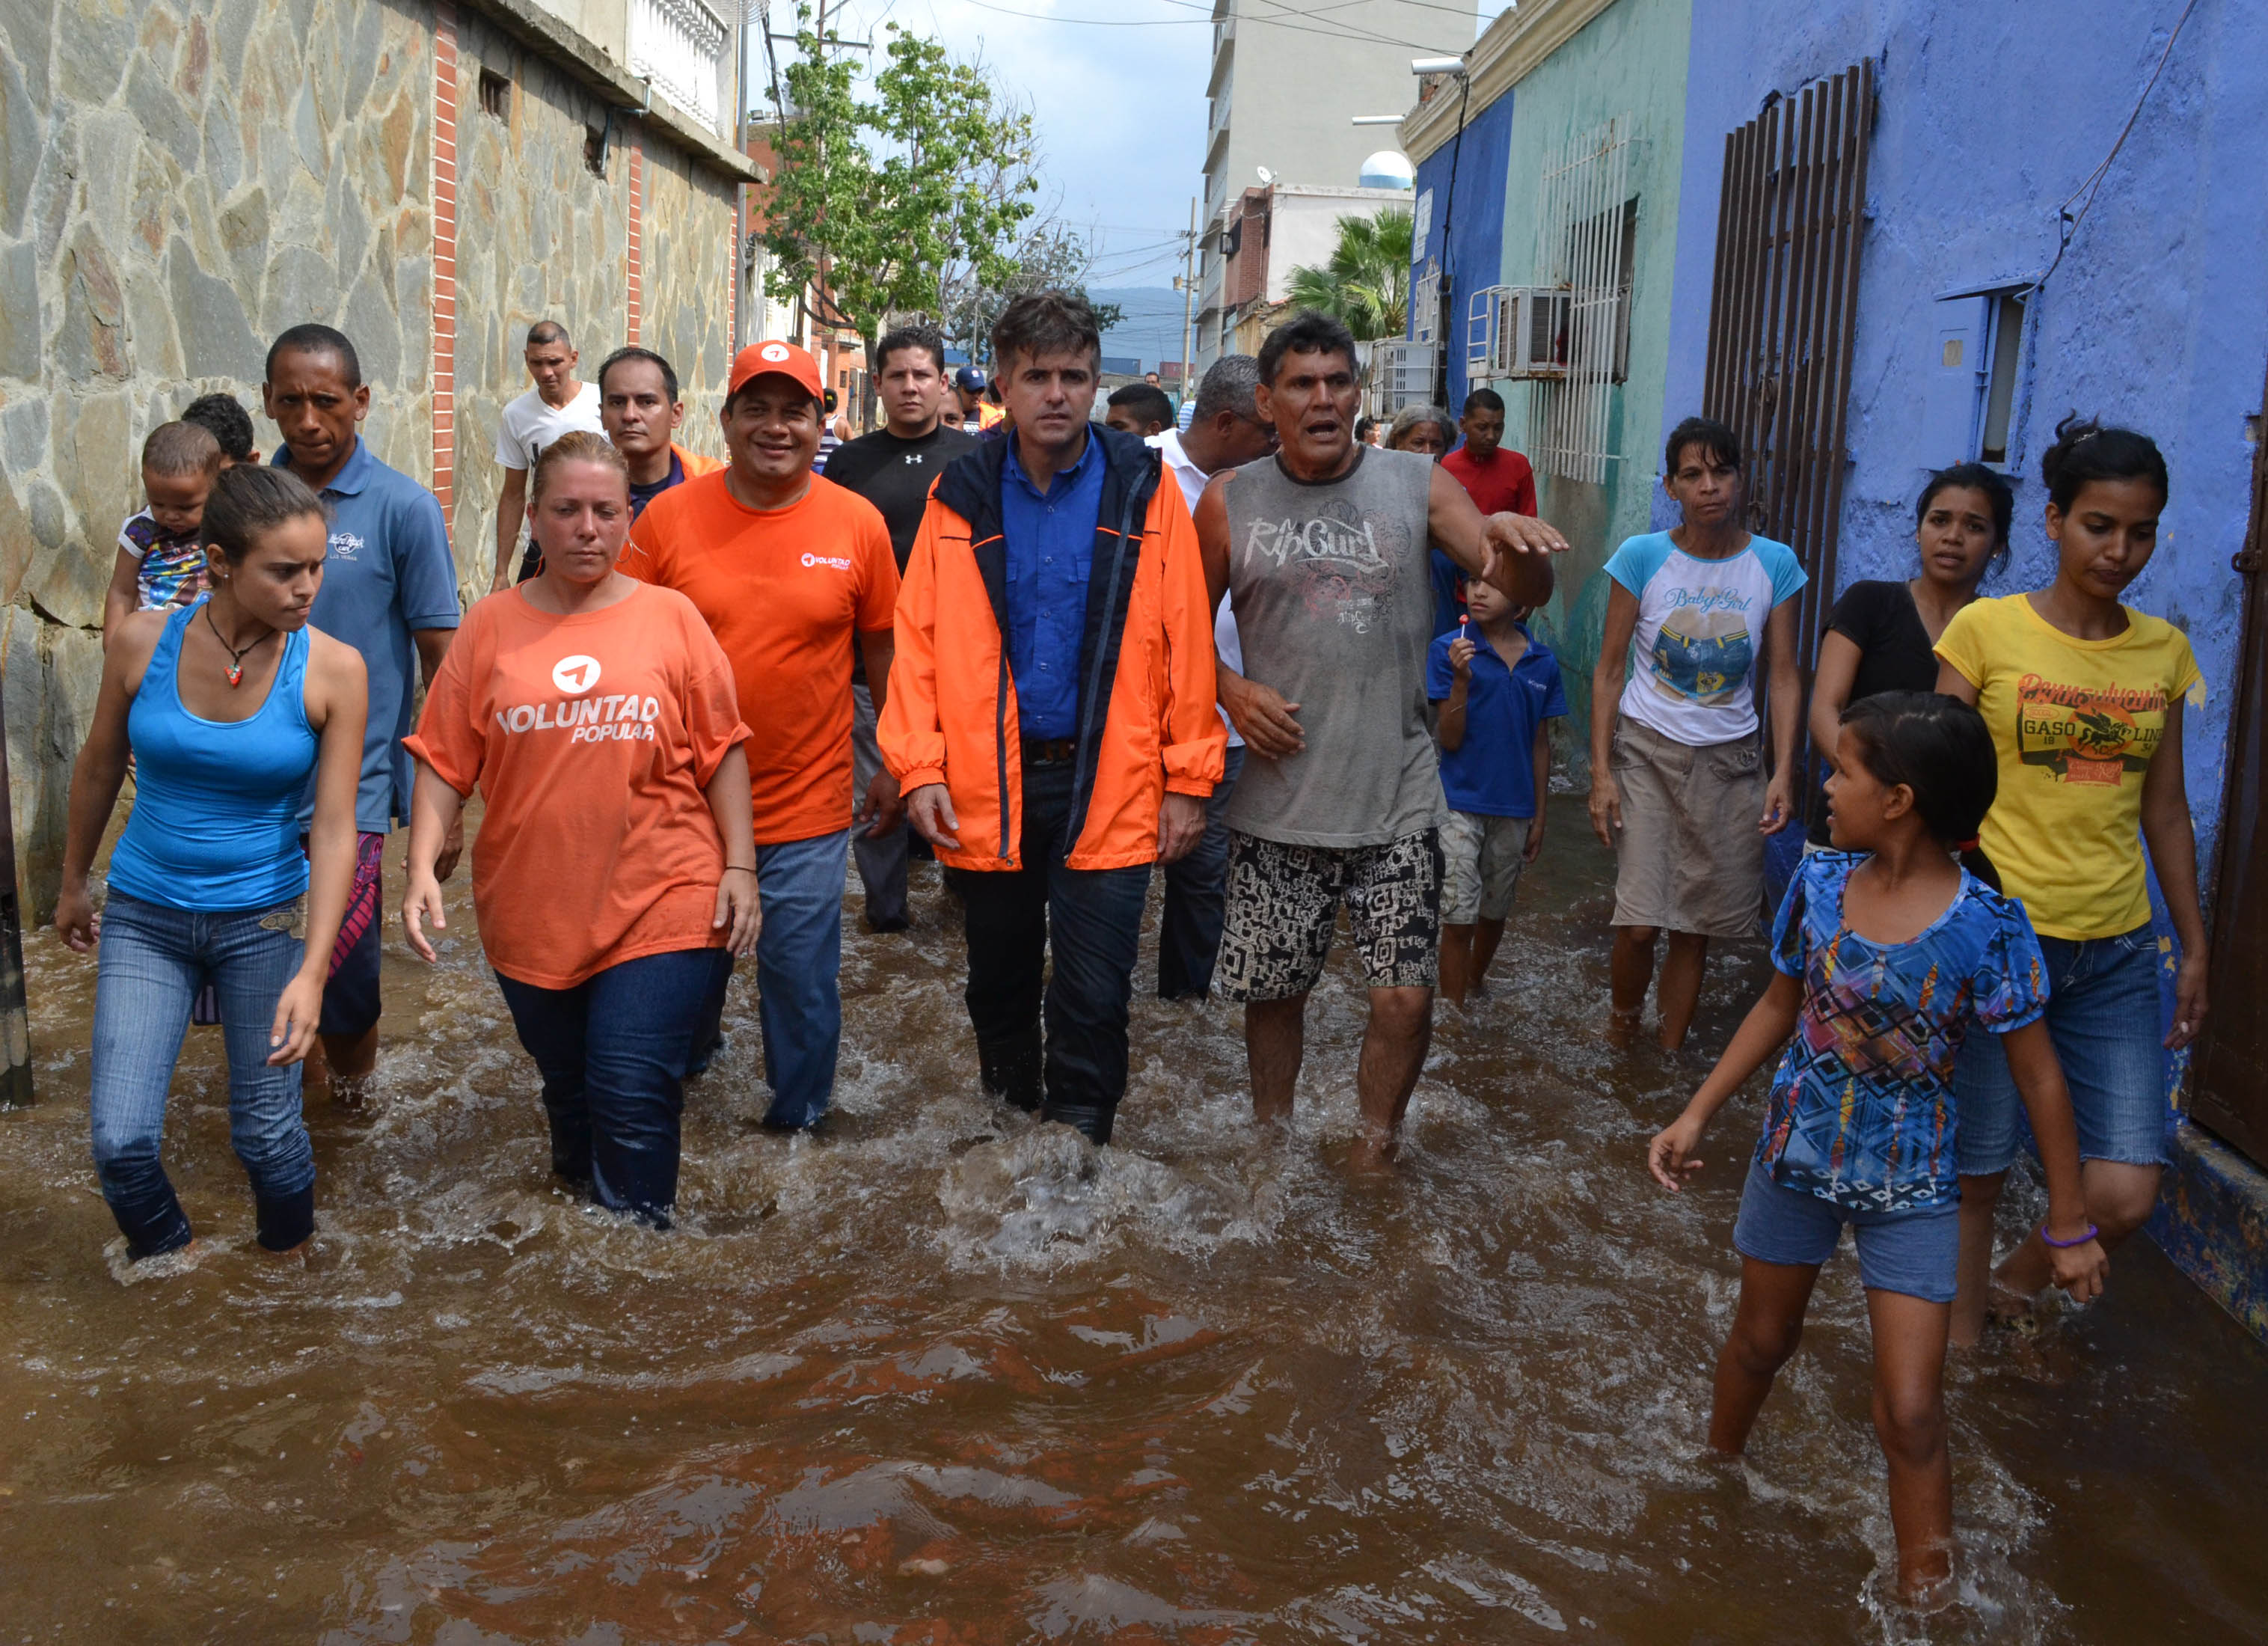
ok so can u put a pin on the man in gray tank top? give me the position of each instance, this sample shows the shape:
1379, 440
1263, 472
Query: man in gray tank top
1324, 548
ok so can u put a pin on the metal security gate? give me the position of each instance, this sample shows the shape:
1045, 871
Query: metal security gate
1785, 309
1582, 249
2230, 1065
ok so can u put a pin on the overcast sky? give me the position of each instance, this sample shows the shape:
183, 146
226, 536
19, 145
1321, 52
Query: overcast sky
1119, 100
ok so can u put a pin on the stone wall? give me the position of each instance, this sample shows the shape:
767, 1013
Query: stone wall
177, 184
687, 219
180, 180
539, 237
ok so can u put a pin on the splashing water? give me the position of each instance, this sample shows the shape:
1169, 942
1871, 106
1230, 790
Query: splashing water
940, 1374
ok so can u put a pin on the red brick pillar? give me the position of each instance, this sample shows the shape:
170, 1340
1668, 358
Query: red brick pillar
445, 257
635, 257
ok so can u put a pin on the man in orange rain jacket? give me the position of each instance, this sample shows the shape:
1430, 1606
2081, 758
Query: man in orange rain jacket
1050, 715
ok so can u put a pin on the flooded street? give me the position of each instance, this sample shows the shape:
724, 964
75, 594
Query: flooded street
940, 1375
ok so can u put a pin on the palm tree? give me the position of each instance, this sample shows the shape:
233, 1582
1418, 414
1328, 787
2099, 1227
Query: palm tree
1367, 281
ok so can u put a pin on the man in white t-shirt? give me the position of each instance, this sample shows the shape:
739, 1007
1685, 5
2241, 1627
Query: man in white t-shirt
557, 405
1224, 430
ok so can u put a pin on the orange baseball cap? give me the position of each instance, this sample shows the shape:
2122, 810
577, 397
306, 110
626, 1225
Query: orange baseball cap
783, 358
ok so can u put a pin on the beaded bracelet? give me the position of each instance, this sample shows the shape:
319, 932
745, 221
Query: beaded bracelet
2065, 1245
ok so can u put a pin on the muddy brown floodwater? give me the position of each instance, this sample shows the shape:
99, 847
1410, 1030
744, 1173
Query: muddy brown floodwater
945, 1376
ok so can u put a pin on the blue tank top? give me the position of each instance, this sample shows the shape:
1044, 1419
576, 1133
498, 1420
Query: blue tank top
215, 821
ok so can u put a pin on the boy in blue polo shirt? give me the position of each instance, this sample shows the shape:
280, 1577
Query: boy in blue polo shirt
1493, 687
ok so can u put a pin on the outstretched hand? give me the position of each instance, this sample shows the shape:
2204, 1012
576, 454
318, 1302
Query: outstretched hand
1670, 1156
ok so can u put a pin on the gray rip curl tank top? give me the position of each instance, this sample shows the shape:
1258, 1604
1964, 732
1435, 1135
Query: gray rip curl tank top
1335, 604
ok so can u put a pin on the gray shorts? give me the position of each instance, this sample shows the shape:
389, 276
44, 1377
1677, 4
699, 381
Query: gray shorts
1482, 858
1690, 857
1283, 906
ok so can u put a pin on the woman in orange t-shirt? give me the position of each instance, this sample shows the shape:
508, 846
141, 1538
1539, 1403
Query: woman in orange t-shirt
613, 874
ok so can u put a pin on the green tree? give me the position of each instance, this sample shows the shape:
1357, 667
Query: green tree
877, 197
1366, 281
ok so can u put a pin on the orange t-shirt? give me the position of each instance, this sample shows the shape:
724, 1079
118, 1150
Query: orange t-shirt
786, 590
591, 738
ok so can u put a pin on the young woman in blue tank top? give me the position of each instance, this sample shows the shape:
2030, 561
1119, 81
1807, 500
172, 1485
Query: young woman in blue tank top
229, 707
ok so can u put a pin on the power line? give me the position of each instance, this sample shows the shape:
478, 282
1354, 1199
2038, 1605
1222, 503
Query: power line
2093, 184
1333, 30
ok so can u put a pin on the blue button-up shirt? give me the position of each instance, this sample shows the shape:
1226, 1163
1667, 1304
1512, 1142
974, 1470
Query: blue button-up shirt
1050, 544
389, 573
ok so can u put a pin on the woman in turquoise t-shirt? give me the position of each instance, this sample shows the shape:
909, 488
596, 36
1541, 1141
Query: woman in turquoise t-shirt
1678, 790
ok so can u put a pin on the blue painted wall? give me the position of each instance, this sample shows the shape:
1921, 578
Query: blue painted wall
2158, 315
1471, 245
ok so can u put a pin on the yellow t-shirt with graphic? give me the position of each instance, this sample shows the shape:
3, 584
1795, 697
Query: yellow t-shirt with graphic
2075, 723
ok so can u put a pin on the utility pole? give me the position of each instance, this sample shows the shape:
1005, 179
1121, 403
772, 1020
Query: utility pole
15, 1012
1189, 295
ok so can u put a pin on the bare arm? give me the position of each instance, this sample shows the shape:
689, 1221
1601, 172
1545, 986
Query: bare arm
2172, 838
1606, 802
728, 794
511, 510
436, 813
1764, 1031
1512, 551
101, 771
1954, 683
123, 594
2079, 1268
1534, 847
1259, 712
432, 646
1449, 725
341, 687
1831, 688
1787, 717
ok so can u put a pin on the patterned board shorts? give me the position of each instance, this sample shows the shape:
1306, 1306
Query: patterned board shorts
1283, 904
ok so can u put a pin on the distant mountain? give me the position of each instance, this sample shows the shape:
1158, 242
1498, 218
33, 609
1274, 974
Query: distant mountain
1151, 328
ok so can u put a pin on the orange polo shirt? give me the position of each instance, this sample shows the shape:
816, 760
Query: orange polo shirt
786, 591
591, 738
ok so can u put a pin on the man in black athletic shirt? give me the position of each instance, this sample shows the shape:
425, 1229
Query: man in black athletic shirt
892, 468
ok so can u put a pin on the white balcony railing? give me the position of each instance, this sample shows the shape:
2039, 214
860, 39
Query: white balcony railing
680, 45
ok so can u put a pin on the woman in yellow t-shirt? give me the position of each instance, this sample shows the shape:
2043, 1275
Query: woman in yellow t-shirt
2084, 697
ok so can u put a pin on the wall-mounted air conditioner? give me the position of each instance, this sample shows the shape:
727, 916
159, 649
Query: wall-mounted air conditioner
1403, 372
1531, 331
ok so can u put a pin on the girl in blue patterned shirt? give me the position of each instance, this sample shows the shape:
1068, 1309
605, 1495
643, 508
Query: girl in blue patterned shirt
1887, 948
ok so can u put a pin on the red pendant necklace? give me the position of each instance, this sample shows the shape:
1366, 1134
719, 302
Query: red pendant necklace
235, 670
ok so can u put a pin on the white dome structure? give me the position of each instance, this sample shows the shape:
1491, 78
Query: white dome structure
1389, 168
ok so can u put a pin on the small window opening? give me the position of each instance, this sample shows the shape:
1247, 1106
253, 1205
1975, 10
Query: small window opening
495, 94
594, 151
2000, 386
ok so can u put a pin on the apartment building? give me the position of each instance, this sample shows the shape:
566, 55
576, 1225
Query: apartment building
1282, 98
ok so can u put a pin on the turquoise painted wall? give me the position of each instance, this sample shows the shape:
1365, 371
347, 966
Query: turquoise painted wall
1629, 60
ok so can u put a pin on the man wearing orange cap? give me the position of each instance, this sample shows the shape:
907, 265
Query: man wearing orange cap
789, 569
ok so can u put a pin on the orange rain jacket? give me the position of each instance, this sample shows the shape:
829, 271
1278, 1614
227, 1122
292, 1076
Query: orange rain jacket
1147, 726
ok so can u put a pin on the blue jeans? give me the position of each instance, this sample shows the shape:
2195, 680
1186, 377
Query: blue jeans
2109, 1028
1914, 1251
613, 1052
153, 962
800, 887
1196, 899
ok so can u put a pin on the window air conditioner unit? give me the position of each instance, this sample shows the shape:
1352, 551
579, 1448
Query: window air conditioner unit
1405, 371
1532, 331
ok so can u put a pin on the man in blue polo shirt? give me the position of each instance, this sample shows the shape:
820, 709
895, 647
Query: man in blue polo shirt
1493, 686
389, 591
